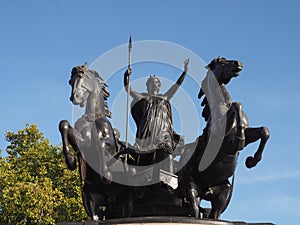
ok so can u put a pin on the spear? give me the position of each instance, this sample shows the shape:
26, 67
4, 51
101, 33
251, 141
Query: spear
128, 90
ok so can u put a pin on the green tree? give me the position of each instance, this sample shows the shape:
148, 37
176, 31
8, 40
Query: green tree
35, 186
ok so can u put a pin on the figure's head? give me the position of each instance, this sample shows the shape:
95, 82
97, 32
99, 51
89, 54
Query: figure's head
153, 84
225, 69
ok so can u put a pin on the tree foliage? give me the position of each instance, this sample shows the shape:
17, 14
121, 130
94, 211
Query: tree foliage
35, 186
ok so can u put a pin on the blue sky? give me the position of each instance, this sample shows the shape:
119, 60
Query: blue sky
42, 40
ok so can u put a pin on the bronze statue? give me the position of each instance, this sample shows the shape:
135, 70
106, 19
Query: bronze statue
205, 175
211, 183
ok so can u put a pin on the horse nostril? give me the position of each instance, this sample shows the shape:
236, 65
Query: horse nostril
71, 98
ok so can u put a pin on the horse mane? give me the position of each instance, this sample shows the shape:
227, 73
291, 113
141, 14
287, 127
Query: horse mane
206, 108
206, 112
103, 88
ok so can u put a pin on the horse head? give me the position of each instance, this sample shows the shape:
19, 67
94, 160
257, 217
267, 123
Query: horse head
224, 69
81, 87
84, 82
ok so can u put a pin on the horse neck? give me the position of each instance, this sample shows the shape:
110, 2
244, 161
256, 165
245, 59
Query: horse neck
95, 103
226, 94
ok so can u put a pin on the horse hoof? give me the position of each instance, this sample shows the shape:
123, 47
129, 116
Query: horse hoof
251, 162
63, 126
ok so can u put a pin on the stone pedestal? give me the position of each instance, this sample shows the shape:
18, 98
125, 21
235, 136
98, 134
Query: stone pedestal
168, 220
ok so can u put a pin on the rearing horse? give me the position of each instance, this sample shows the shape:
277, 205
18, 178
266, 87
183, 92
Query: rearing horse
93, 140
206, 174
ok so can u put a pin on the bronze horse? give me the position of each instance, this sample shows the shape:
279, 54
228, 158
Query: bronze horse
206, 175
93, 140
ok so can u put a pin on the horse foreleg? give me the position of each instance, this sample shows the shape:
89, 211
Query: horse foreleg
65, 130
104, 168
98, 157
252, 135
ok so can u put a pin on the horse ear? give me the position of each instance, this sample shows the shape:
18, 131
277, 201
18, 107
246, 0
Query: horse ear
211, 65
85, 65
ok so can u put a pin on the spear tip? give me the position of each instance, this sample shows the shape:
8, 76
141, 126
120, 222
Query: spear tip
130, 43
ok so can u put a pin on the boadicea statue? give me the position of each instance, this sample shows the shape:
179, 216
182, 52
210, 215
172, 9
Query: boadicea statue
205, 175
